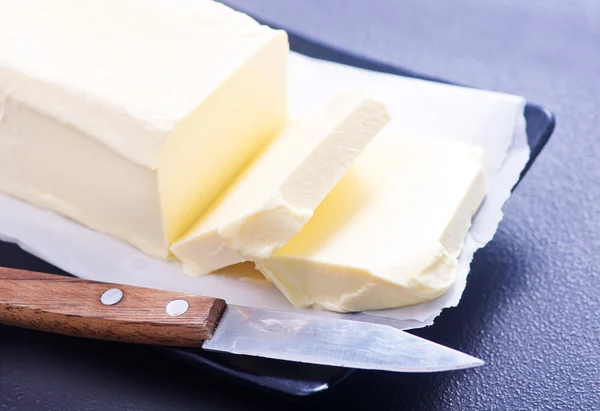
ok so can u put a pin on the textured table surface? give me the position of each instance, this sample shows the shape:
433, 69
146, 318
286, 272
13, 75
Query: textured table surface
532, 303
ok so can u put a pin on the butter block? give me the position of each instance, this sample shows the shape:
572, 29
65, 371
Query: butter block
390, 232
133, 116
276, 195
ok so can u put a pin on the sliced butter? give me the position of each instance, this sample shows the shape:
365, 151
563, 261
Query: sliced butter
132, 116
276, 195
390, 232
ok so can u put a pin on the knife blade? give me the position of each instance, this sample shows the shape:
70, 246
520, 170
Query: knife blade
337, 342
90, 309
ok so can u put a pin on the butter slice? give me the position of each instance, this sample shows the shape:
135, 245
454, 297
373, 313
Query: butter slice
390, 232
275, 197
133, 116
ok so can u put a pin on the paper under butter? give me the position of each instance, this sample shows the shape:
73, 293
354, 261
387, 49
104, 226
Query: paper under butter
493, 120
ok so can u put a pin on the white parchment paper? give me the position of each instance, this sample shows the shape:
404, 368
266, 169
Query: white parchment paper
493, 120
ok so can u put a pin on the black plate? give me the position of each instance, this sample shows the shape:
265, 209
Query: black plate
280, 377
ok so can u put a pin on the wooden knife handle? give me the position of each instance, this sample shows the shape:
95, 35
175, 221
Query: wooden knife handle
71, 306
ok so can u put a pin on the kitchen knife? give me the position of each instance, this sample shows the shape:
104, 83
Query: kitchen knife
76, 307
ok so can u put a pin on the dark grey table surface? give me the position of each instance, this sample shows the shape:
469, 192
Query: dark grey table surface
531, 308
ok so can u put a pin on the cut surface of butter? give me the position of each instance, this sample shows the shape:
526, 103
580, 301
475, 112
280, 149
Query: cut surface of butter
132, 116
276, 195
389, 233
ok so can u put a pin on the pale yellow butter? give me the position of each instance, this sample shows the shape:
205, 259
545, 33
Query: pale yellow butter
389, 234
276, 195
132, 116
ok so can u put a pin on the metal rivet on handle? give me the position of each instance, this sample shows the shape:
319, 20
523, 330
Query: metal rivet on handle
177, 307
111, 296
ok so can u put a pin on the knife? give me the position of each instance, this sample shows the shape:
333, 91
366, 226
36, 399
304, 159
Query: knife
90, 309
